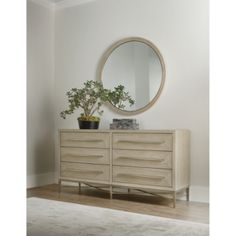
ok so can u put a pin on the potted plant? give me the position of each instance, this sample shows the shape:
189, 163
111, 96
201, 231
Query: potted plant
90, 98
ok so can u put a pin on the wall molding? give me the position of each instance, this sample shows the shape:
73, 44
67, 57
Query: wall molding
44, 3
197, 194
60, 5
70, 3
41, 179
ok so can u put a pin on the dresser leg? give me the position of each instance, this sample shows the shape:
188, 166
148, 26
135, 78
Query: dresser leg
79, 188
59, 186
128, 190
110, 192
174, 199
187, 194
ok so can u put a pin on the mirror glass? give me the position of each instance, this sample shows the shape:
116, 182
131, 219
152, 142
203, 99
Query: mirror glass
138, 65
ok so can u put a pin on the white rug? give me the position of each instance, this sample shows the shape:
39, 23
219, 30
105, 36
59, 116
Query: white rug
55, 218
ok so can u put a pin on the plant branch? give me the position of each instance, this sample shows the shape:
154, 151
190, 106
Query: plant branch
92, 96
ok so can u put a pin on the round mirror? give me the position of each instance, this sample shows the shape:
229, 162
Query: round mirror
138, 65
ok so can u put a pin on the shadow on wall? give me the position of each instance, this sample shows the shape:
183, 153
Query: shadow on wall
44, 158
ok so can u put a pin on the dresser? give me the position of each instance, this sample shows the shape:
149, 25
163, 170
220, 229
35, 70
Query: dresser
148, 160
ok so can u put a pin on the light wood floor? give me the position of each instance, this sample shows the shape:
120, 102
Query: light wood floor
151, 205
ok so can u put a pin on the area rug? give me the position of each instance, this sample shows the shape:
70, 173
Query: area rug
55, 218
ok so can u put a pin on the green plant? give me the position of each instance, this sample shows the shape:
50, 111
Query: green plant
92, 96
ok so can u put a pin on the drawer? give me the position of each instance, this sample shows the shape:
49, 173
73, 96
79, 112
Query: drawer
152, 159
142, 176
143, 141
85, 155
85, 171
80, 139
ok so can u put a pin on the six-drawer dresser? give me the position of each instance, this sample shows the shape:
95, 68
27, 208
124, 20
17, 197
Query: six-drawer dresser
149, 160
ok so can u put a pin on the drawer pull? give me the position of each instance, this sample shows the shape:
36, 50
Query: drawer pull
140, 142
92, 172
139, 159
157, 178
84, 140
83, 156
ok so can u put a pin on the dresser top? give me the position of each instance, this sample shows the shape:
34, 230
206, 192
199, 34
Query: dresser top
123, 131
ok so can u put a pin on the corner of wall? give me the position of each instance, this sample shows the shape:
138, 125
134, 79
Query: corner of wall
44, 3
41, 179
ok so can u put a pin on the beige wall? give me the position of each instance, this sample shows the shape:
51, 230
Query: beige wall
179, 29
40, 95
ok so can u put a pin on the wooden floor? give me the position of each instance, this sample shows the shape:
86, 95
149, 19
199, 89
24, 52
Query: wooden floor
132, 202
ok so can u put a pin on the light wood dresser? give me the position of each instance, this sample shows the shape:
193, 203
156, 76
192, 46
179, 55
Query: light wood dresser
149, 160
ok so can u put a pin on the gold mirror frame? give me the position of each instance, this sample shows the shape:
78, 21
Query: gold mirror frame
109, 51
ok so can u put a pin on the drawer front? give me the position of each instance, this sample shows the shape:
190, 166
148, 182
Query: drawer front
143, 141
80, 139
142, 176
85, 155
85, 171
152, 159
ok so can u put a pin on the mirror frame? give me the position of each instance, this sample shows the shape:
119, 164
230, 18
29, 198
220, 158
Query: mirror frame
109, 51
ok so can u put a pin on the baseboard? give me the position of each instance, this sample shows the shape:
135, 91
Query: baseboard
41, 179
197, 193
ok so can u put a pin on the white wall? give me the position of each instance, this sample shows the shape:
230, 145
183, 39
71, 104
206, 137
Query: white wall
40, 95
179, 29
